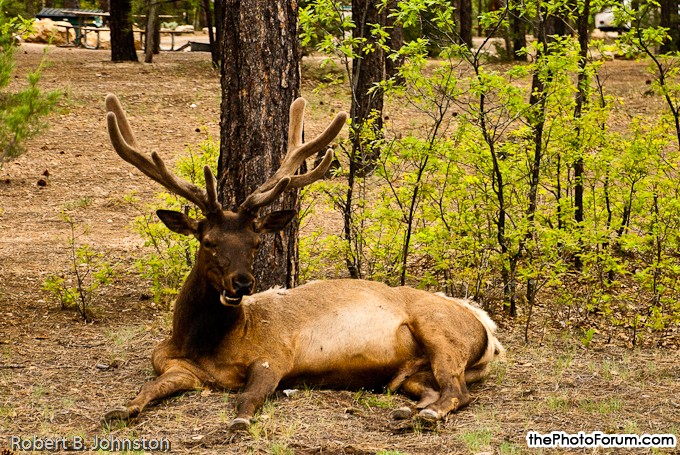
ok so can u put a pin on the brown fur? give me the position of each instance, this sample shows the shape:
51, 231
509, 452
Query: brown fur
339, 333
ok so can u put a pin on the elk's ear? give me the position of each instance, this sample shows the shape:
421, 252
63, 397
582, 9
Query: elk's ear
274, 222
178, 222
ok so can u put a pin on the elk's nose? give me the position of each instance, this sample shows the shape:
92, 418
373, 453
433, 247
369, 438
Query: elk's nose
243, 284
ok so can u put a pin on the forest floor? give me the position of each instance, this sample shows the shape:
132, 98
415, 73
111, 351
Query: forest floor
59, 375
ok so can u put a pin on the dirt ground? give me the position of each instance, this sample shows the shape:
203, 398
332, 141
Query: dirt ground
58, 375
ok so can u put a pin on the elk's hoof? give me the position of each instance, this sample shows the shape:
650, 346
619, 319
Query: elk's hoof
428, 415
120, 413
239, 424
401, 413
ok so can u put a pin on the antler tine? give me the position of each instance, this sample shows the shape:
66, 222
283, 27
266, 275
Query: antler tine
125, 145
125, 151
211, 188
296, 156
298, 181
297, 153
261, 198
113, 105
295, 124
206, 200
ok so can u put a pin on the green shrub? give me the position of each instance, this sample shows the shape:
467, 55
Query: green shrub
88, 270
21, 112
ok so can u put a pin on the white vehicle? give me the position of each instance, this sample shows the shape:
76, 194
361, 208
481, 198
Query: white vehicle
604, 21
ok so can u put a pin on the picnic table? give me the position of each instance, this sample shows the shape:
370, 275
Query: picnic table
172, 34
81, 28
82, 31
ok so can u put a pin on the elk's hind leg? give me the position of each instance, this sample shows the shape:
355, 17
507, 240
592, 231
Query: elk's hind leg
423, 386
175, 379
449, 374
420, 386
446, 375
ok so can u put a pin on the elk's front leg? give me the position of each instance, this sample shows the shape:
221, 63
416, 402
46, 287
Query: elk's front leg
261, 382
172, 381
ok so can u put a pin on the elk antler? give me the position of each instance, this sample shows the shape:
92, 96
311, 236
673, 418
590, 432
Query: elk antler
297, 153
125, 144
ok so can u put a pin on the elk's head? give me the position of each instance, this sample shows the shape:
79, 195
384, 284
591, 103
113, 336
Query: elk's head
228, 239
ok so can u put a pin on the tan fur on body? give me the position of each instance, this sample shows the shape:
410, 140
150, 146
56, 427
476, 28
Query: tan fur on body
340, 334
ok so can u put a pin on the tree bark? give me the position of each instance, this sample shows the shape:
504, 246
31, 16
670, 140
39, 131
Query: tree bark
554, 25
151, 40
581, 100
210, 23
71, 4
219, 26
669, 19
122, 39
260, 79
518, 32
214, 17
465, 11
368, 68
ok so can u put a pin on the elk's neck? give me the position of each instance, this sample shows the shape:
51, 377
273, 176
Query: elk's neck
200, 321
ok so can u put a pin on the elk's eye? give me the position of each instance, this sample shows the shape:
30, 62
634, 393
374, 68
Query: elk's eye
208, 244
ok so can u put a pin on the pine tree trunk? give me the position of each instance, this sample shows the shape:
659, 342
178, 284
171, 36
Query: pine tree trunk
151, 42
669, 20
214, 22
219, 26
518, 31
367, 69
466, 22
122, 39
581, 100
260, 79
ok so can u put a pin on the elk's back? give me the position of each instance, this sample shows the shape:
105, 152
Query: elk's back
343, 333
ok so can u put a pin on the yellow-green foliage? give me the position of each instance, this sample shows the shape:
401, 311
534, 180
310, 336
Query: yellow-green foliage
456, 205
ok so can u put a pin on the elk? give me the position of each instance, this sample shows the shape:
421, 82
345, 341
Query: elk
342, 334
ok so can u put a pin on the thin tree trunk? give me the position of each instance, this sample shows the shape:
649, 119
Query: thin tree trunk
214, 50
157, 33
219, 27
669, 20
260, 79
151, 42
581, 100
519, 36
465, 11
367, 70
537, 121
122, 39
